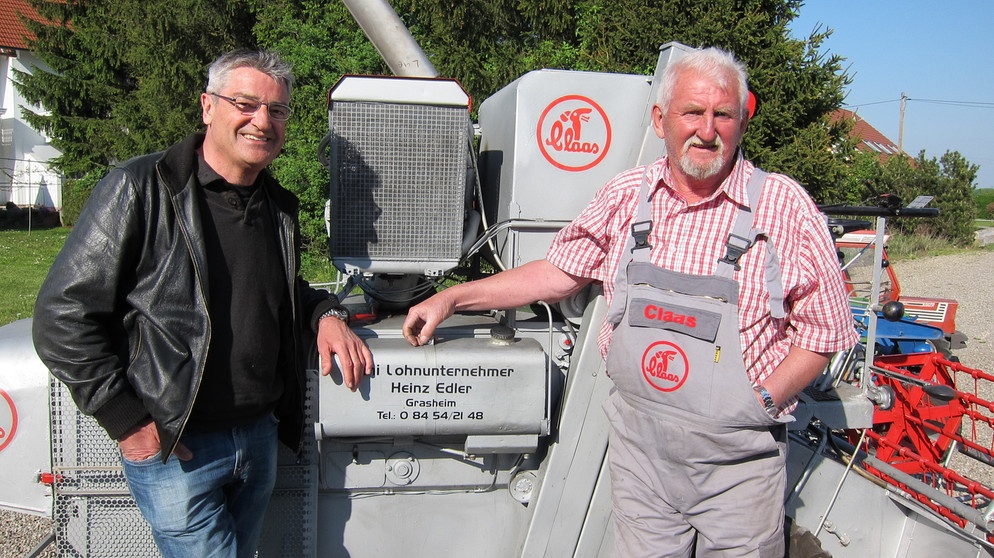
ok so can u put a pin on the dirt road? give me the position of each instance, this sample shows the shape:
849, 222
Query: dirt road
968, 278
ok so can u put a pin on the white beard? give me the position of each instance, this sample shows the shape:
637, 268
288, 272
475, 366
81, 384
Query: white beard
701, 171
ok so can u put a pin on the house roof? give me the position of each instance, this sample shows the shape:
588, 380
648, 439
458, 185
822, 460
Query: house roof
868, 139
13, 33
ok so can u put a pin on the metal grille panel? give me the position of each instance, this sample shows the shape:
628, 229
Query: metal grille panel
96, 517
101, 526
94, 513
398, 186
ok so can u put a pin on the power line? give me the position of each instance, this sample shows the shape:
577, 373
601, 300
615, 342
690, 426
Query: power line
873, 103
973, 104
970, 104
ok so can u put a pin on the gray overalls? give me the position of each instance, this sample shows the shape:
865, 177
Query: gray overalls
696, 461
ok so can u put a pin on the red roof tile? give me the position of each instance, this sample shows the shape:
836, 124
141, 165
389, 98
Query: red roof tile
13, 32
868, 139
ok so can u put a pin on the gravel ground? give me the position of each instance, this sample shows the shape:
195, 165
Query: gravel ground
21, 533
964, 277
968, 279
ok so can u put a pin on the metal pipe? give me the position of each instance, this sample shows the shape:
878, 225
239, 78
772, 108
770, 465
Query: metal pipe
838, 488
391, 38
515, 225
802, 481
41, 546
969, 513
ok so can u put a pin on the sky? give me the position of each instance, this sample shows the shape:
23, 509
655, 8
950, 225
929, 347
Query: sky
937, 52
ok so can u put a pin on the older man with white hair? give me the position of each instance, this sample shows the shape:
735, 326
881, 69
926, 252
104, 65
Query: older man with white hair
725, 300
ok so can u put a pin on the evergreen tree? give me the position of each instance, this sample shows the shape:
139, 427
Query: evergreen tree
486, 44
955, 197
125, 75
323, 42
84, 85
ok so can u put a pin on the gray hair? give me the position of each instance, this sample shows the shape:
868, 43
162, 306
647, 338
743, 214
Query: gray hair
711, 62
267, 62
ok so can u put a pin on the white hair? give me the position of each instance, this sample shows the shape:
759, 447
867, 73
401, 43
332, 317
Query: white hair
711, 62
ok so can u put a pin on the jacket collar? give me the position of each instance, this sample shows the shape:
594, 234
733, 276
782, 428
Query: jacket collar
178, 164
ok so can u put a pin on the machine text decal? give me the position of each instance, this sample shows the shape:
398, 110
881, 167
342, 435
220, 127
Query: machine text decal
574, 133
436, 393
462, 385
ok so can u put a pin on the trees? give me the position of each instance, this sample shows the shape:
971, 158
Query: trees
486, 44
948, 179
127, 73
983, 200
125, 76
83, 88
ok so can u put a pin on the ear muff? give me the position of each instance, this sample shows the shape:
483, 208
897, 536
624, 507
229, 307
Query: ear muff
751, 104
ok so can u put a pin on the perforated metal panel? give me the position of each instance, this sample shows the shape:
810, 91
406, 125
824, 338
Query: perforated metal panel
96, 517
398, 186
94, 514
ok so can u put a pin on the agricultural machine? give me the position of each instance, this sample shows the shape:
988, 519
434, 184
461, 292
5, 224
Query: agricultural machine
918, 459
491, 441
932, 324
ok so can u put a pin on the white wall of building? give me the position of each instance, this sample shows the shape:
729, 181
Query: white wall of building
25, 176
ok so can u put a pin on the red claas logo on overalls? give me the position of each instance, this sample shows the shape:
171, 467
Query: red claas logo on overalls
665, 366
8, 419
574, 133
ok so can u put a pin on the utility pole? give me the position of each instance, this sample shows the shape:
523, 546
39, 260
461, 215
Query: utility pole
900, 129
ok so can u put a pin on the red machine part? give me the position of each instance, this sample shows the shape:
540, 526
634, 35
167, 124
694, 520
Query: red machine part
930, 421
937, 312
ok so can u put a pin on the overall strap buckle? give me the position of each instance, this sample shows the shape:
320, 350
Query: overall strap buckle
735, 246
640, 232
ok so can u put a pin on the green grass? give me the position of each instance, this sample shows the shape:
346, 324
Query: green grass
24, 261
905, 246
26, 256
317, 268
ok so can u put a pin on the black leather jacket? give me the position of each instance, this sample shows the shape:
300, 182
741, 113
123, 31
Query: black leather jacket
122, 317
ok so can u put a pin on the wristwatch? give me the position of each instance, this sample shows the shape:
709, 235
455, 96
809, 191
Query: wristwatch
336, 312
771, 408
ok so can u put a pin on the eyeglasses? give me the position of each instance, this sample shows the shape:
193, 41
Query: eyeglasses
249, 106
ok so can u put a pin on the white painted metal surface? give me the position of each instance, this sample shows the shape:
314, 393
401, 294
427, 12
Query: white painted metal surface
24, 424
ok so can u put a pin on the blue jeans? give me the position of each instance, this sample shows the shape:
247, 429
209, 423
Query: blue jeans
213, 505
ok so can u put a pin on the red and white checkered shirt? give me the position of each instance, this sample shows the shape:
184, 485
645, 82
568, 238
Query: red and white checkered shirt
691, 239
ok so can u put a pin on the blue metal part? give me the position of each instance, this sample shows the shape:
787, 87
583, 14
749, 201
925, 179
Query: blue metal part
901, 337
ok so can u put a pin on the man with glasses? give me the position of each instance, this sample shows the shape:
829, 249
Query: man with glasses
176, 316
